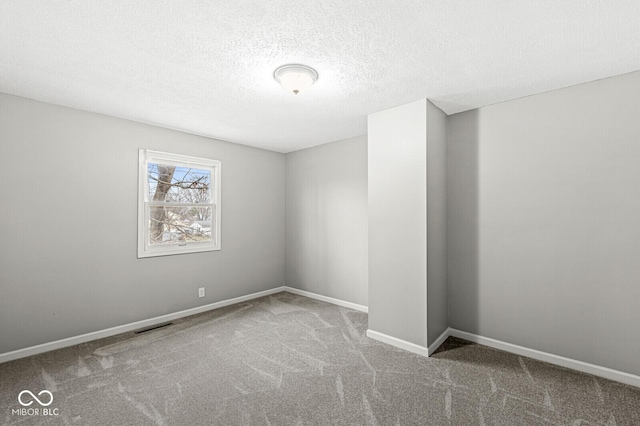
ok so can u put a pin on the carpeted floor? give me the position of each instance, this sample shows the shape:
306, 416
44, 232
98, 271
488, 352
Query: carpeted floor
290, 360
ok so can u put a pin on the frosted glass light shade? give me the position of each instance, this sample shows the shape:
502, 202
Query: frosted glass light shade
295, 78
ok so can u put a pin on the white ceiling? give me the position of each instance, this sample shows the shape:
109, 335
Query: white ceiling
205, 66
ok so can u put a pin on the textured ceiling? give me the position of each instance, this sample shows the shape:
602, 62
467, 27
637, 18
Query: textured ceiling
206, 66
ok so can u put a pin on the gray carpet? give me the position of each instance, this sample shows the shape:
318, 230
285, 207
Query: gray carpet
290, 360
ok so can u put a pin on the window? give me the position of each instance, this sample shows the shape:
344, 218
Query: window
178, 204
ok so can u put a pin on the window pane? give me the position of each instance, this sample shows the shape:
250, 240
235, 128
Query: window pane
179, 184
171, 225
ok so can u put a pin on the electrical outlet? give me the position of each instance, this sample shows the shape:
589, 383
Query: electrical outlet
201, 292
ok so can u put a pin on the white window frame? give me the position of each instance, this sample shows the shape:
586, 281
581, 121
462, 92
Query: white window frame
146, 156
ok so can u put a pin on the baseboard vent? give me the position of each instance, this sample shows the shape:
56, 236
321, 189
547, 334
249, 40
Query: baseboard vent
155, 327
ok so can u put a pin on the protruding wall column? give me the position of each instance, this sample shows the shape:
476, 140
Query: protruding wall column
399, 192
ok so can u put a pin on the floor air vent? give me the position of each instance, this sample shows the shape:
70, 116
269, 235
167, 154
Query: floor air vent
155, 327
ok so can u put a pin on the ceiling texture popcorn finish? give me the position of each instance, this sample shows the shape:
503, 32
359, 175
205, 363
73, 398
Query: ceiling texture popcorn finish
206, 67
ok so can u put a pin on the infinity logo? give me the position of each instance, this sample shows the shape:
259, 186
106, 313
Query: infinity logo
26, 404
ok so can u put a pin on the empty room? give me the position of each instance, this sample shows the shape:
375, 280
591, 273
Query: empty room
319, 213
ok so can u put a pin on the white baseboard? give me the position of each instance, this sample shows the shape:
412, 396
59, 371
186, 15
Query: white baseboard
398, 343
408, 346
327, 299
596, 370
439, 341
584, 367
70, 341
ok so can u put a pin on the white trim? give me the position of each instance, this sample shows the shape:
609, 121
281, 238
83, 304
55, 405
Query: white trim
439, 341
327, 299
398, 343
584, 367
411, 347
146, 250
70, 341
596, 370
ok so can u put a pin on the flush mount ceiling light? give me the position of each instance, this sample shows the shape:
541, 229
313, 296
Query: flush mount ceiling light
295, 78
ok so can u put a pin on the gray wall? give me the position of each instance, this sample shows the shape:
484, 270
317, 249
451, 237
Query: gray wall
544, 222
326, 222
398, 222
437, 300
68, 228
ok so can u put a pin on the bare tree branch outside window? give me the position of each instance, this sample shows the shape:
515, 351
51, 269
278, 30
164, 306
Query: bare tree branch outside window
187, 215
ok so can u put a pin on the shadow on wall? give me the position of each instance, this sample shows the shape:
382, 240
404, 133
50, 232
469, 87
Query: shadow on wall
463, 220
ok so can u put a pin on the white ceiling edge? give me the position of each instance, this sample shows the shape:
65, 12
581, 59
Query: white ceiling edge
453, 108
442, 105
206, 68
